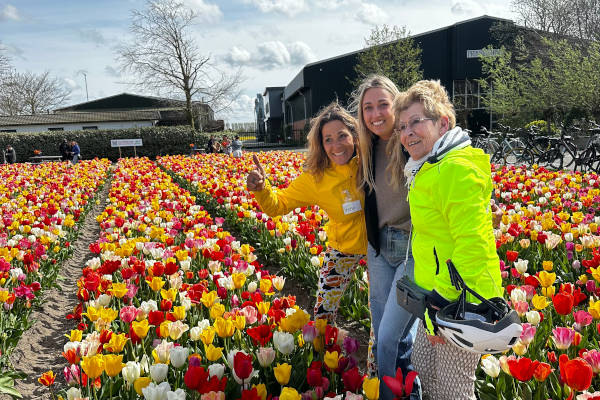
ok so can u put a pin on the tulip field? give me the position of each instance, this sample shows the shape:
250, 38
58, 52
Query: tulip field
173, 306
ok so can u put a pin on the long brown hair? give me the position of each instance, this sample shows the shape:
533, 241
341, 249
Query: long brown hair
366, 176
317, 160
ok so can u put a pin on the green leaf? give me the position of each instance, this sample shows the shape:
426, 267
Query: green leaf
7, 386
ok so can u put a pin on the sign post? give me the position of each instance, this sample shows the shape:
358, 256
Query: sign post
126, 143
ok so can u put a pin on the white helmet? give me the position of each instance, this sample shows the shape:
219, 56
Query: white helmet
489, 327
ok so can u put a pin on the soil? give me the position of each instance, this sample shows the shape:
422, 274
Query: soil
40, 348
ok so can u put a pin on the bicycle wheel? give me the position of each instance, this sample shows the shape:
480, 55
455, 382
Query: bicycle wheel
554, 158
518, 156
585, 161
569, 151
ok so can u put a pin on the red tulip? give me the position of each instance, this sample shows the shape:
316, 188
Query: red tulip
352, 380
576, 373
314, 376
242, 365
563, 303
542, 371
261, 334
195, 377
522, 368
397, 384
511, 256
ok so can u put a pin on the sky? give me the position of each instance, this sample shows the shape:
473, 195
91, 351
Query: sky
270, 40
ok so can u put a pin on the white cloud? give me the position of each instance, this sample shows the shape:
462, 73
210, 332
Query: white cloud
241, 110
206, 12
271, 54
14, 51
92, 35
9, 12
71, 84
112, 71
466, 7
287, 7
370, 14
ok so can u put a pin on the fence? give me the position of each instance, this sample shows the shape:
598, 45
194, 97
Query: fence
293, 138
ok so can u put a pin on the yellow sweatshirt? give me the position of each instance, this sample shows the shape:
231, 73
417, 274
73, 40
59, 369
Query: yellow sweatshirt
335, 193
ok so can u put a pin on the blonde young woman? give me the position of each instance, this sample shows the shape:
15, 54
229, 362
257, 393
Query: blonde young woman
328, 180
449, 185
387, 219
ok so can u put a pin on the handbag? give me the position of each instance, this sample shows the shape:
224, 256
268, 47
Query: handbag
411, 296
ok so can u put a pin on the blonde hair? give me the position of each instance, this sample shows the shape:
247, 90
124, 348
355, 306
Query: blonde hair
365, 177
317, 160
434, 98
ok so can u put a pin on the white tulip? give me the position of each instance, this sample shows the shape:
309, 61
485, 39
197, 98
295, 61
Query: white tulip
156, 392
158, 372
178, 356
217, 370
131, 371
284, 342
491, 366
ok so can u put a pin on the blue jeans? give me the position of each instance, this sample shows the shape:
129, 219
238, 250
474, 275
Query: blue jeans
395, 328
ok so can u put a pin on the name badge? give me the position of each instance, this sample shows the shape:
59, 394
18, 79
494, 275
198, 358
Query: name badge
351, 207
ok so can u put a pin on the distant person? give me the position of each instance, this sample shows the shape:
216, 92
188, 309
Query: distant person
75, 151
211, 146
10, 155
225, 145
65, 150
236, 147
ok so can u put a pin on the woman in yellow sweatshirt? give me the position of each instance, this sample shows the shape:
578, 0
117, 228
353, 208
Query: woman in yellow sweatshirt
328, 180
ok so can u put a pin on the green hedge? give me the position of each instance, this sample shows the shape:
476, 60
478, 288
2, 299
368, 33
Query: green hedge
157, 140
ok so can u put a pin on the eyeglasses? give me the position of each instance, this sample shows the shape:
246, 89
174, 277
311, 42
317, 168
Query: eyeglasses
411, 124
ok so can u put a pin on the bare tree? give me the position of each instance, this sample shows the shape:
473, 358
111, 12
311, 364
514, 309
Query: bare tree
165, 58
4, 62
31, 93
579, 18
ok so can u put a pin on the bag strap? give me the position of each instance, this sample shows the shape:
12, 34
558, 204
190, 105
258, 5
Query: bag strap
458, 283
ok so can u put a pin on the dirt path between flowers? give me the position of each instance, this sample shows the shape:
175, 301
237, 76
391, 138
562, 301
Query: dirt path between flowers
40, 348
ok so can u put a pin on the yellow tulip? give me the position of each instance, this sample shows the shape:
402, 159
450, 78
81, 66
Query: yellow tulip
140, 328
238, 280
176, 329
170, 294
540, 302
156, 284
113, 364
216, 311
288, 393
213, 353
332, 359
548, 291
208, 335
164, 328
75, 335
371, 388
596, 273
116, 343
239, 321
141, 383
282, 373
93, 313
108, 314
119, 290
547, 265
181, 255
265, 285
261, 390
179, 312
93, 366
547, 278
263, 307
321, 324
594, 309
208, 298
224, 327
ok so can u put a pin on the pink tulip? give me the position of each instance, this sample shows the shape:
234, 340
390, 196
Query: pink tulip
521, 307
582, 318
528, 333
563, 337
593, 358
128, 314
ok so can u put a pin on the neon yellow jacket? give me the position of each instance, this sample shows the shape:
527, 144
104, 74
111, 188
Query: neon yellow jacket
450, 211
346, 232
